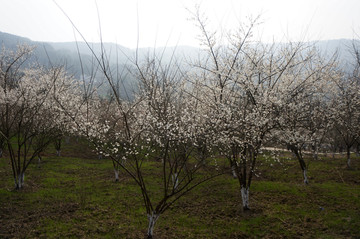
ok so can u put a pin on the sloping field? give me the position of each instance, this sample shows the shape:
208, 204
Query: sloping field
75, 196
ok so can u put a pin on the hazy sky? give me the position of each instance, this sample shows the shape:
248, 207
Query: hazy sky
164, 22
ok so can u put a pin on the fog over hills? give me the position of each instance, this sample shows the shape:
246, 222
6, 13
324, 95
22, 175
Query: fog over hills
69, 52
120, 57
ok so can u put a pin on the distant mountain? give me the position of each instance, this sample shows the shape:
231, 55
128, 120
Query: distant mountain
69, 52
342, 47
120, 57
44, 53
42, 49
116, 52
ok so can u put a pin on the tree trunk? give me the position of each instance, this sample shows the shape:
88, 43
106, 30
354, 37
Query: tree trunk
233, 171
306, 181
303, 166
304, 169
175, 180
316, 152
348, 157
39, 161
19, 182
152, 220
245, 198
116, 175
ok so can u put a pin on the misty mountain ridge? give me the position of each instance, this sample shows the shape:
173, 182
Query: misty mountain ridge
69, 52
120, 59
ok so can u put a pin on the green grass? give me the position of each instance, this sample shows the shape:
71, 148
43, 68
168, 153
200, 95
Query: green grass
75, 196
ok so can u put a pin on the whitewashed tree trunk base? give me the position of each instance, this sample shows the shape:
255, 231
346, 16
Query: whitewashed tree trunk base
19, 183
306, 181
245, 198
152, 221
39, 162
116, 175
175, 180
233, 171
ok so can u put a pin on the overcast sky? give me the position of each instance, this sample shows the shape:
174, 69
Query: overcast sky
166, 22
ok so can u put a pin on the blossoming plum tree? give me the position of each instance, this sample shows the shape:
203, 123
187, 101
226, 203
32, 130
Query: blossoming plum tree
159, 126
306, 97
243, 84
346, 107
28, 122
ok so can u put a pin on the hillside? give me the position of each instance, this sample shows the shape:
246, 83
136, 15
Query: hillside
75, 196
61, 52
120, 58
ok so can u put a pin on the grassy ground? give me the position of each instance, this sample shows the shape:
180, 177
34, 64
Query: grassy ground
75, 196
